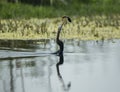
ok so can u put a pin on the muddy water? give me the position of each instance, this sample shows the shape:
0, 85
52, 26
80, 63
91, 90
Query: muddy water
86, 66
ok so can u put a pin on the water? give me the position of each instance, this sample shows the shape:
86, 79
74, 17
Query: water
88, 66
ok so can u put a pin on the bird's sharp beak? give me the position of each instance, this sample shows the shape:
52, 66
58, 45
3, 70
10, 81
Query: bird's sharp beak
69, 19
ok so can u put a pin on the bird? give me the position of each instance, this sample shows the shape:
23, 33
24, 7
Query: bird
58, 41
60, 52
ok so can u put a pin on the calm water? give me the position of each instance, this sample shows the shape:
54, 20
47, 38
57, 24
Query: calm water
88, 66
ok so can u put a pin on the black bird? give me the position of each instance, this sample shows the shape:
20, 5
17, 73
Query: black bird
58, 41
60, 52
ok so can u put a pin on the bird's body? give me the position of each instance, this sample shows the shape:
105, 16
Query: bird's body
60, 53
58, 41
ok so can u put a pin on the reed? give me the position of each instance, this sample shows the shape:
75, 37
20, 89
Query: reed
84, 28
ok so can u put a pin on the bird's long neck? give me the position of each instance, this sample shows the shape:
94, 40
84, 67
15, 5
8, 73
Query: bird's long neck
59, 30
58, 35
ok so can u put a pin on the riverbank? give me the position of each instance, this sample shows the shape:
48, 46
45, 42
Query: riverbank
84, 28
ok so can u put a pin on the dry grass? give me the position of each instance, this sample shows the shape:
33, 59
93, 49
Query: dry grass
84, 28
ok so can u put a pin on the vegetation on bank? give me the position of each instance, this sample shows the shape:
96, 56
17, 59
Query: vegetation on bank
91, 19
84, 28
71, 8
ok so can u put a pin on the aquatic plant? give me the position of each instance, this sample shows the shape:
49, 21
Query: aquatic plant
84, 27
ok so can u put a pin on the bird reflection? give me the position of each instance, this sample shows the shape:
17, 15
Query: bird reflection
66, 87
61, 61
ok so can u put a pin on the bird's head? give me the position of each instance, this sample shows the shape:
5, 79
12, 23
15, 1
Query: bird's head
66, 19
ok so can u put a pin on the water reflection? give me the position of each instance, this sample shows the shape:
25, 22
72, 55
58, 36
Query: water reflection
12, 78
66, 87
11, 75
22, 45
89, 66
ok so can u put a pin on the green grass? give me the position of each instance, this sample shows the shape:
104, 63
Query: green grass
23, 11
10, 10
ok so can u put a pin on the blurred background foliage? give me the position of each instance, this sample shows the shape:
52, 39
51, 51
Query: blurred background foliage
54, 2
58, 2
56, 8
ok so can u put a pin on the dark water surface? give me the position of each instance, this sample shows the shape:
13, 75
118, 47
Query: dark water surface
88, 66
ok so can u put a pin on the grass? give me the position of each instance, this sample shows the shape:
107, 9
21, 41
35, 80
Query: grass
18, 10
90, 21
84, 28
